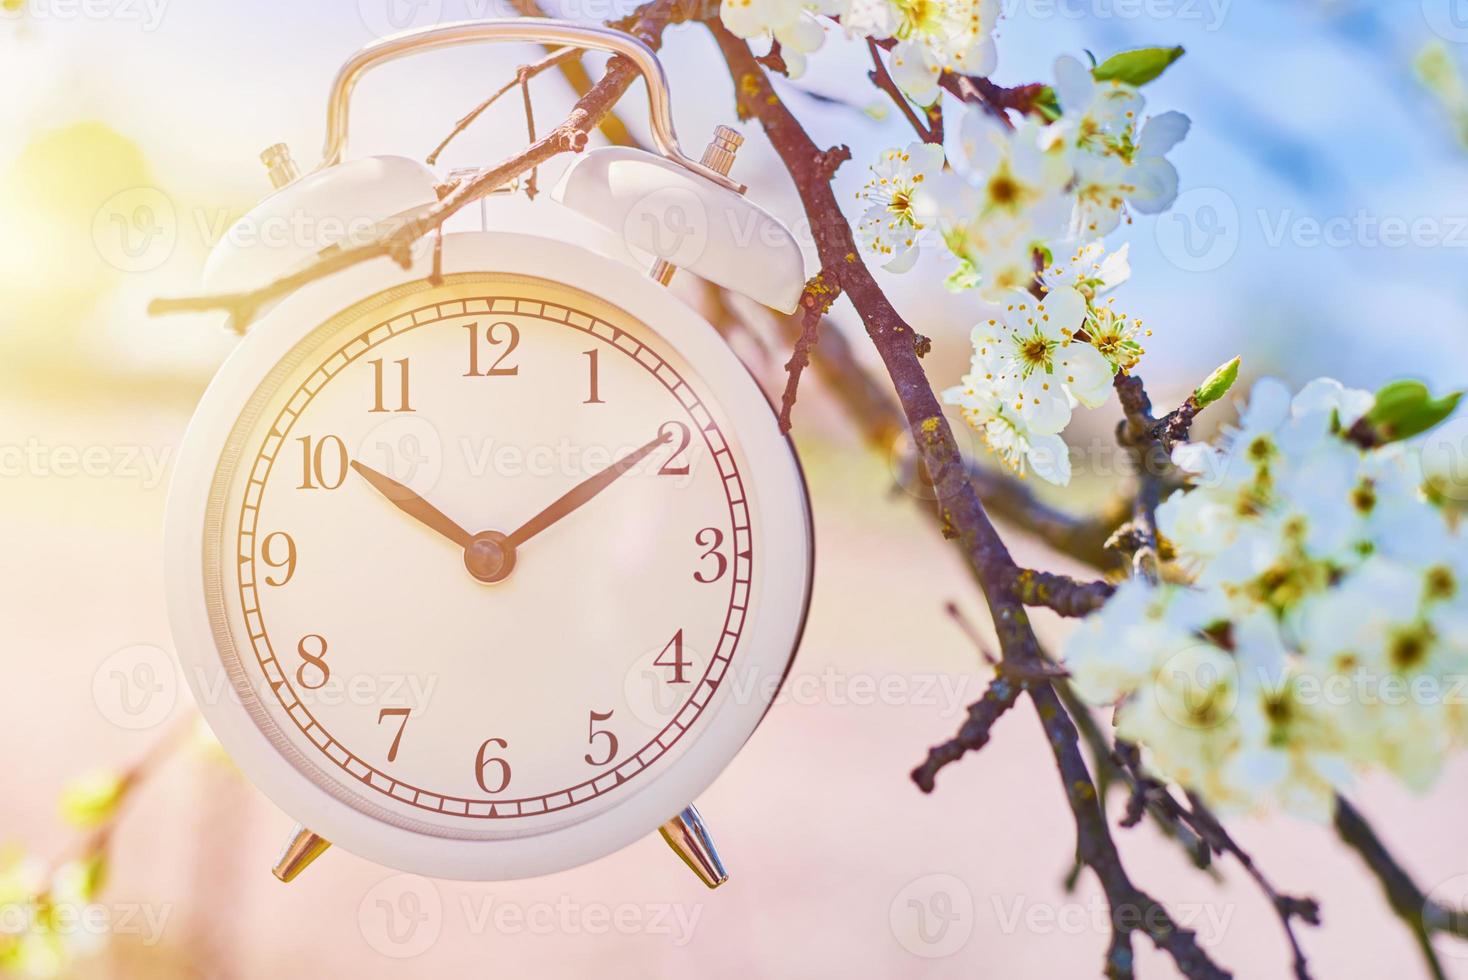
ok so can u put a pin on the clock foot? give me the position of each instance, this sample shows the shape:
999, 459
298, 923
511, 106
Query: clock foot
302, 848
690, 840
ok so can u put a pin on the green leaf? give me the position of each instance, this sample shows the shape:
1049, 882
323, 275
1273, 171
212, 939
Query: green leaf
965, 277
1404, 409
1136, 67
92, 798
1047, 104
1217, 384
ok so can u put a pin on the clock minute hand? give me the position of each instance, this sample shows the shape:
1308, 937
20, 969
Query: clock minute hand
413, 505
581, 493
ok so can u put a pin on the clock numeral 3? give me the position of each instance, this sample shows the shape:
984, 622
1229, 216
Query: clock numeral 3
316, 660
323, 463
678, 662
378, 396
712, 539
592, 735
402, 715
499, 769
267, 555
681, 435
493, 337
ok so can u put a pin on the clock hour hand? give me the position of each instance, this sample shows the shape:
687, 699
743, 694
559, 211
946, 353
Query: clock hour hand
413, 505
581, 493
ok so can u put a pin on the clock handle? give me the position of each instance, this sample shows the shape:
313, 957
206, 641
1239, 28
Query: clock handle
526, 29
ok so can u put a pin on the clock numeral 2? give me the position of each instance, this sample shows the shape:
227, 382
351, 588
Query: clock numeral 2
378, 396
671, 466
316, 660
483, 762
678, 663
492, 337
323, 463
592, 735
402, 715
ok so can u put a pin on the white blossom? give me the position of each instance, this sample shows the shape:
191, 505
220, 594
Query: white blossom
890, 225
932, 36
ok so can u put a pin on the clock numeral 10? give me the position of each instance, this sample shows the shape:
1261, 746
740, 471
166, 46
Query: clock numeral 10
323, 463
592, 735
493, 337
677, 662
497, 768
316, 660
378, 396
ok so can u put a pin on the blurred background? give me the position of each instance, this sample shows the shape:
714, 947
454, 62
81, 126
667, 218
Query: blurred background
1321, 230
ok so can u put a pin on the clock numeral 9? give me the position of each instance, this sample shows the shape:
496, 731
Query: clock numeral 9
680, 433
288, 562
492, 337
402, 715
316, 660
712, 539
500, 768
323, 463
678, 662
377, 386
592, 735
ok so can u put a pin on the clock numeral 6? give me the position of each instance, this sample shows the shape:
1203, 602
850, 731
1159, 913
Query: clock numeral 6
402, 715
501, 769
377, 393
680, 434
493, 336
288, 562
678, 662
712, 539
592, 735
323, 463
316, 660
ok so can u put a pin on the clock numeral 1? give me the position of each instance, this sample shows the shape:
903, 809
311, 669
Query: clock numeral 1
493, 336
592, 735
402, 715
322, 468
501, 768
316, 660
678, 663
377, 386
671, 466
288, 562
594, 384
712, 539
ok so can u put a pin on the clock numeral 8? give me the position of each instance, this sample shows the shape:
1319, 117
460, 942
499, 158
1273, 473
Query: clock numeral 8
288, 562
483, 762
316, 660
511, 334
322, 468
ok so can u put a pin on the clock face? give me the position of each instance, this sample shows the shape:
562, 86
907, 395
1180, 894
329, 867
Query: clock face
480, 558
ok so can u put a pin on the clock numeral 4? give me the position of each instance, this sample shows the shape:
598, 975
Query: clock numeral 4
592, 735
379, 396
712, 539
268, 552
402, 715
498, 769
494, 336
679, 434
677, 661
323, 463
321, 670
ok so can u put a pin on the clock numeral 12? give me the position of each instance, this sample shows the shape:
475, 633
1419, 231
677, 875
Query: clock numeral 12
377, 386
492, 335
482, 761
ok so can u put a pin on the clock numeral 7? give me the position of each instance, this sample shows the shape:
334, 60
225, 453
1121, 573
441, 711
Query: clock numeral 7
592, 735
492, 337
483, 761
323, 463
678, 661
377, 386
402, 715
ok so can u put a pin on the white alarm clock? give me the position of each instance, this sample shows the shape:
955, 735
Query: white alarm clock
487, 567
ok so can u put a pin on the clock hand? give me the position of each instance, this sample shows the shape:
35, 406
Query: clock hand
581, 493
413, 505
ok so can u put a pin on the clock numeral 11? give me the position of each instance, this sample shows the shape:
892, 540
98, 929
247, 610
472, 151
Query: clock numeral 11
378, 396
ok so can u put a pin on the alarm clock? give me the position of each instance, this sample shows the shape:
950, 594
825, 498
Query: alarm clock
486, 567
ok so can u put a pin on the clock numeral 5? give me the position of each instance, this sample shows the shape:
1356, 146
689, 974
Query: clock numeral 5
492, 337
592, 735
712, 539
377, 386
267, 555
316, 660
678, 661
323, 463
500, 768
402, 715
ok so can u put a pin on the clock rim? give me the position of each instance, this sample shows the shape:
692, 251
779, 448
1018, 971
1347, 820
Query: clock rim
767, 651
